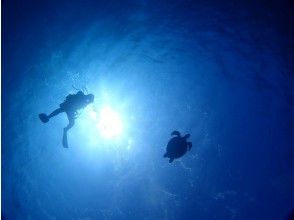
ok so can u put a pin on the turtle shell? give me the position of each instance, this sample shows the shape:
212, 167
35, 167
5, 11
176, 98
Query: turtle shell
176, 147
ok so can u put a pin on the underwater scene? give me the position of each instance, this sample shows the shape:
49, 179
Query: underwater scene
147, 110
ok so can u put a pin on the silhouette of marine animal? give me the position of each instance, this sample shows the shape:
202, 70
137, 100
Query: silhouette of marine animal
177, 146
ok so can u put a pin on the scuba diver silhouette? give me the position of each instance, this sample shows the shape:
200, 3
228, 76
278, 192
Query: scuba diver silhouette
71, 105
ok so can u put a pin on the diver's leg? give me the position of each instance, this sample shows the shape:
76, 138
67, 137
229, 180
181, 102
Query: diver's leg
71, 123
55, 112
45, 118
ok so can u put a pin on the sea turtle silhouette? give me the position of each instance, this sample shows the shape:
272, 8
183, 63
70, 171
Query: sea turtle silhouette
177, 146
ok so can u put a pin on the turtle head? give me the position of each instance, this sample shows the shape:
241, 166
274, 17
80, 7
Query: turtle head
187, 136
176, 133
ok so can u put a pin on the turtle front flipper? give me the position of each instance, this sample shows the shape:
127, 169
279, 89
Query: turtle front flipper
176, 133
171, 159
189, 144
165, 155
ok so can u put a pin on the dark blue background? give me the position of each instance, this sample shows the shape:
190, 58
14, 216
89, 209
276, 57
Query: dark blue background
219, 70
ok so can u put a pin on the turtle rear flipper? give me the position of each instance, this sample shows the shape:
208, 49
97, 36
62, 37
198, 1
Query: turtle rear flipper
43, 117
189, 144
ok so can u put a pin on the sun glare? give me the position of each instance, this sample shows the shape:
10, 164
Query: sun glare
108, 122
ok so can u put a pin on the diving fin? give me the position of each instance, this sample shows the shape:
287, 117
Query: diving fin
44, 118
64, 139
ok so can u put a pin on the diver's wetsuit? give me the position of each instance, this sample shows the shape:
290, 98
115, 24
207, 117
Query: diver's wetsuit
70, 106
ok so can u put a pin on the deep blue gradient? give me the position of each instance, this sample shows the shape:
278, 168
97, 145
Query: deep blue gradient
221, 71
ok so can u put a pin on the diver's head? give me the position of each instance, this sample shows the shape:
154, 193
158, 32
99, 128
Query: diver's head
90, 98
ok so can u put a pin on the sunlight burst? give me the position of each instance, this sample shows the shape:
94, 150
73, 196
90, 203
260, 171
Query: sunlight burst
109, 123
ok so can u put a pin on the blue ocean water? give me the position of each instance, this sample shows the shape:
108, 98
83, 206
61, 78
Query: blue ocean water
221, 71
